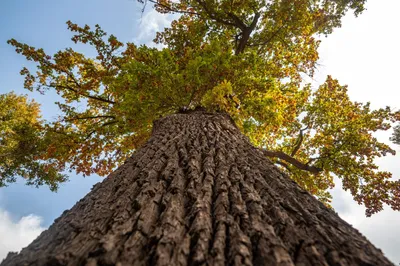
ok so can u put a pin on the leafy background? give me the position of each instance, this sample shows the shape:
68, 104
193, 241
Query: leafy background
361, 54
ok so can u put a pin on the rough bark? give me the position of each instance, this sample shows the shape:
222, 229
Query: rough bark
198, 193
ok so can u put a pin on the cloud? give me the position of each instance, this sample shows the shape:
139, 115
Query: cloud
19, 234
151, 22
381, 229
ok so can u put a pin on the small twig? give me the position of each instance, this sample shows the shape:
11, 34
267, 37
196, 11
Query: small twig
169, 8
89, 117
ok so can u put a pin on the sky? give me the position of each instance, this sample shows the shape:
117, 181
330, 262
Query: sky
362, 54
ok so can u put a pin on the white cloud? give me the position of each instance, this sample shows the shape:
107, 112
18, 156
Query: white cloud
363, 54
16, 235
151, 22
381, 229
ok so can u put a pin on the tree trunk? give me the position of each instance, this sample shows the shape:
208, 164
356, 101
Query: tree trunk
198, 193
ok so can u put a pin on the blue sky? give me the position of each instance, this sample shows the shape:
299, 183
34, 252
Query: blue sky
363, 54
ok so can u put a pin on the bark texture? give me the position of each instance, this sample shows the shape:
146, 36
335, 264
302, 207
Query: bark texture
198, 193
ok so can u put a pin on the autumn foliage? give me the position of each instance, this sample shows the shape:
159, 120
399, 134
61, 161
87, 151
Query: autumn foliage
246, 58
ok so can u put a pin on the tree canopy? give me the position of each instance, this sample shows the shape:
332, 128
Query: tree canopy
246, 58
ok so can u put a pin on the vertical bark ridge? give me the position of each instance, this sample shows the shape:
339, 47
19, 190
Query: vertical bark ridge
198, 193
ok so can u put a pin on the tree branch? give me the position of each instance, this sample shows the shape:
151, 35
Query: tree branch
246, 32
90, 117
231, 20
299, 141
273, 35
96, 129
283, 164
83, 94
292, 161
213, 16
108, 123
238, 22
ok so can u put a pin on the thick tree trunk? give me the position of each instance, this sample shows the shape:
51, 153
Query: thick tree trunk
198, 193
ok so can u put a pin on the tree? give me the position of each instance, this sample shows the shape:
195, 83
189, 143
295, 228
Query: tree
243, 59
21, 145
396, 135
246, 59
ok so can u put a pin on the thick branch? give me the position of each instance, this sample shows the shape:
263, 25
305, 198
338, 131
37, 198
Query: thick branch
291, 160
246, 34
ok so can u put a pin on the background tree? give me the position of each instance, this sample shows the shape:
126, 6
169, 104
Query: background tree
246, 59
396, 135
21, 145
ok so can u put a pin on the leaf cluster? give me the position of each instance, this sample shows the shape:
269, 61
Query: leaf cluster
22, 144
